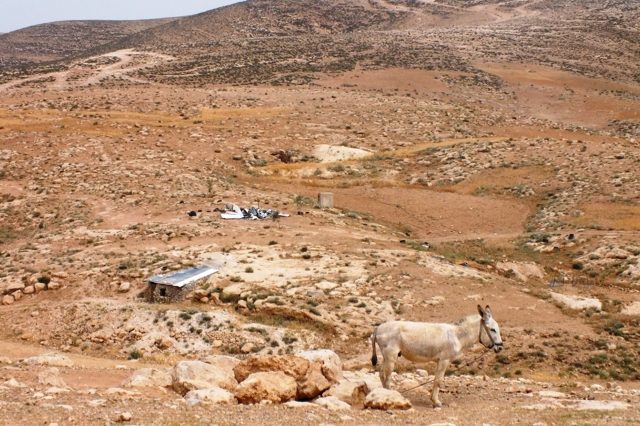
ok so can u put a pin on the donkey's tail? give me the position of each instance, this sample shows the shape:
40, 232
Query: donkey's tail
374, 355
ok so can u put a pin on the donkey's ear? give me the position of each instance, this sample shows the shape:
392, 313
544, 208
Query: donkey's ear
487, 311
480, 311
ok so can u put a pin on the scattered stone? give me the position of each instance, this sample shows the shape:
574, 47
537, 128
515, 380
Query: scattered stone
332, 403
124, 287
124, 417
386, 399
51, 377
213, 395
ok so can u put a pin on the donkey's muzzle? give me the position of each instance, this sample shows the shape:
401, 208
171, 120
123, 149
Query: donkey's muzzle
497, 347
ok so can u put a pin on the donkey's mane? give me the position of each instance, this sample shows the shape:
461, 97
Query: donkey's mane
466, 319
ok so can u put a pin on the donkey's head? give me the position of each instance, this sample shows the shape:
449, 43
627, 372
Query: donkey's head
489, 330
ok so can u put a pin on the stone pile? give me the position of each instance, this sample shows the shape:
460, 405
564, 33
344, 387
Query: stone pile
305, 379
13, 291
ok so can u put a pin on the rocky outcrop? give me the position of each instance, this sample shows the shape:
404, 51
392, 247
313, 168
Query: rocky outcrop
276, 387
521, 271
194, 375
386, 399
50, 359
577, 303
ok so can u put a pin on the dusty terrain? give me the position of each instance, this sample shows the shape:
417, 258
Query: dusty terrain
481, 152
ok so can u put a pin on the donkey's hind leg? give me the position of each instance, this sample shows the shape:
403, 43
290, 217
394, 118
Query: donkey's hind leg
390, 359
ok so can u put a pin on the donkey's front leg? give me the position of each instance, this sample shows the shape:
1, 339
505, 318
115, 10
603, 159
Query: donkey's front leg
439, 375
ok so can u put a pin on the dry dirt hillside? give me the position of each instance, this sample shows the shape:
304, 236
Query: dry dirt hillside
479, 152
58, 40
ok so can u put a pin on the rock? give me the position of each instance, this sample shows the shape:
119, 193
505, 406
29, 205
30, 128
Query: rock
124, 417
51, 377
297, 404
13, 383
313, 383
271, 386
214, 395
247, 348
14, 286
39, 287
50, 359
193, 375
332, 403
17, 295
386, 399
331, 362
576, 302
522, 271
632, 309
326, 285
124, 287
5, 360
353, 393
8, 300
552, 394
149, 377
54, 285
294, 366
600, 405
233, 292
29, 289
223, 362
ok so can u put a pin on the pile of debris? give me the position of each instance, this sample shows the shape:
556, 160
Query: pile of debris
232, 211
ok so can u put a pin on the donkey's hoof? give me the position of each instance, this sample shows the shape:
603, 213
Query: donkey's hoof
437, 404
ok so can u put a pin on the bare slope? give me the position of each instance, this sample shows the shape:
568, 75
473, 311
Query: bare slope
57, 40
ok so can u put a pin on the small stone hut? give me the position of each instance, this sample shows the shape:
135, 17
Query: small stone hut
175, 286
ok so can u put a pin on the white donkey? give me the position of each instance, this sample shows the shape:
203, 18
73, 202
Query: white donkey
424, 341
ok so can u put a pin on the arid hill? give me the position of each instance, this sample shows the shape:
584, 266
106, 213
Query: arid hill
59, 40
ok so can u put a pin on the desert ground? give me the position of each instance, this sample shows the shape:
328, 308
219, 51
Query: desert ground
472, 161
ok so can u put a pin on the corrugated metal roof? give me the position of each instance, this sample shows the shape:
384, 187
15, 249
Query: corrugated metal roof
184, 277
